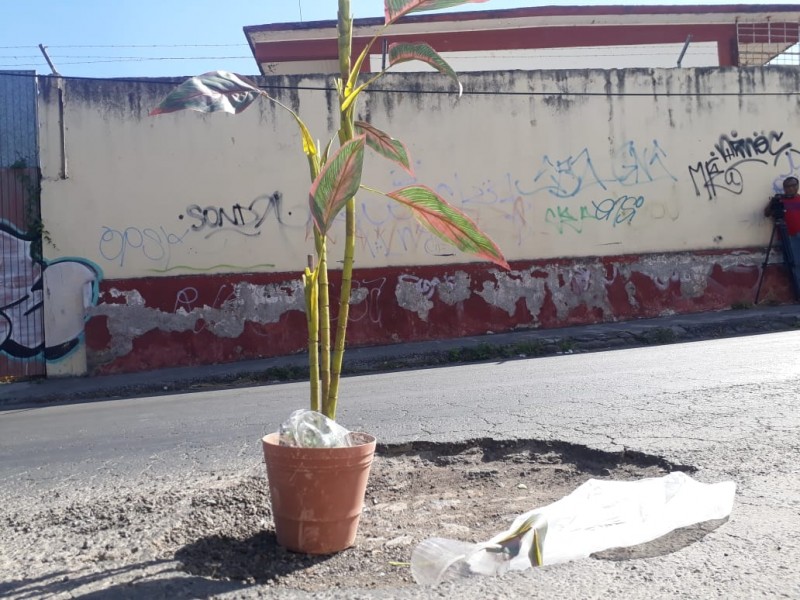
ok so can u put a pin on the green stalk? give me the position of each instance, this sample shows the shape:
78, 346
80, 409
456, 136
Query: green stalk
346, 286
345, 32
313, 294
311, 289
324, 321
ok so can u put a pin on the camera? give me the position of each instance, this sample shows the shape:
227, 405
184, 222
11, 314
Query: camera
776, 208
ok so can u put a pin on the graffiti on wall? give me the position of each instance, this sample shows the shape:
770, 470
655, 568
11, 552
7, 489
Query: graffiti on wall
564, 192
243, 220
614, 211
733, 157
631, 164
69, 281
384, 229
158, 245
365, 300
153, 245
416, 293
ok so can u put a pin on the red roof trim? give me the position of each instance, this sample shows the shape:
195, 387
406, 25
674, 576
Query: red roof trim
540, 11
523, 38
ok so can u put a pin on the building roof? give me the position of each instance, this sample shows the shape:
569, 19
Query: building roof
744, 33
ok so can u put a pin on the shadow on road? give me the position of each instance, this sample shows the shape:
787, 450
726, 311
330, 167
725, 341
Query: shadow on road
667, 544
107, 584
255, 559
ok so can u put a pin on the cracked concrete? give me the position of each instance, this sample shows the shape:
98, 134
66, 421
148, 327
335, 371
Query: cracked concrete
727, 408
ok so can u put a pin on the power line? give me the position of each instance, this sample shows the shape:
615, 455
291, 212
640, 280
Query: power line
134, 59
171, 81
113, 57
138, 46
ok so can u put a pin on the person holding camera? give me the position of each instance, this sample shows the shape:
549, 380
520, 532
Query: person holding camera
786, 206
785, 210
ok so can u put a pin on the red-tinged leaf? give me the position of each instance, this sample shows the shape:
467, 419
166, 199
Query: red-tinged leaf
394, 9
338, 181
403, 52
385, 145
211, 92
448, 223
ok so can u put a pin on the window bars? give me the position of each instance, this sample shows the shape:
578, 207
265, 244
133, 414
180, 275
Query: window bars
768, 43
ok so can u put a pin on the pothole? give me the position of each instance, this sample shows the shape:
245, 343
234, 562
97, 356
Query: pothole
467, 491
218, 529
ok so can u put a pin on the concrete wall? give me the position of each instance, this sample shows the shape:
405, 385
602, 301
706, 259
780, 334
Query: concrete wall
615, 194
702, 54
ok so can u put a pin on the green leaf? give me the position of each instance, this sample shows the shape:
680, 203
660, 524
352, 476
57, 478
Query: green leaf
324, 158
403, 52
211, 92
385, 145
512, 542
338, 181
394, 9
448, 223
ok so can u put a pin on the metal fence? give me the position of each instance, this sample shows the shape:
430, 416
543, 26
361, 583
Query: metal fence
21, 285
768, 43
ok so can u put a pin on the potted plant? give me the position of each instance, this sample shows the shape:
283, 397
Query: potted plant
336, 178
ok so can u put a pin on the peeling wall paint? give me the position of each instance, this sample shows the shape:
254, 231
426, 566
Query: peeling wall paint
128, 316
196, 320
416, 294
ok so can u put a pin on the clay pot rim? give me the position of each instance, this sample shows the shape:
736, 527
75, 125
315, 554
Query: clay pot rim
364, 439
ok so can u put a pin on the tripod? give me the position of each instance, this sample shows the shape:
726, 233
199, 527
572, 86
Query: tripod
788, 257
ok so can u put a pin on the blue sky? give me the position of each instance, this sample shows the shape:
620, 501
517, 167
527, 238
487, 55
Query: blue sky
153, 38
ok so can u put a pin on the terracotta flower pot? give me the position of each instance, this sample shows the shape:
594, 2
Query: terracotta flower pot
317, 493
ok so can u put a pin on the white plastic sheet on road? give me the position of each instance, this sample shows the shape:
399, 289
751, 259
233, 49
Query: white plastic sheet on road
597, 516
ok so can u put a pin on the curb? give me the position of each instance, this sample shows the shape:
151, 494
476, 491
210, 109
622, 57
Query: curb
530, 343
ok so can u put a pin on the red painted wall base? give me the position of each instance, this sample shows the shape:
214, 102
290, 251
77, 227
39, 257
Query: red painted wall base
151, 323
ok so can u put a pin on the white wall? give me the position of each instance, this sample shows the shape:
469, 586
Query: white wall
700, 54
550, 163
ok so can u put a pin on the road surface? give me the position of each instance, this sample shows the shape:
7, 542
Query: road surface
730, 408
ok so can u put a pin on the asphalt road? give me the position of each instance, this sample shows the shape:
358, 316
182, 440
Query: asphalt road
728, 407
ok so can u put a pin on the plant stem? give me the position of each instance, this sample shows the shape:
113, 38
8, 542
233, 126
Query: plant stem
345, 32
311, 289
316, 294
324, 322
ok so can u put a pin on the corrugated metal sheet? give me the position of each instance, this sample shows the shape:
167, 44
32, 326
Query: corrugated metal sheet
18, 140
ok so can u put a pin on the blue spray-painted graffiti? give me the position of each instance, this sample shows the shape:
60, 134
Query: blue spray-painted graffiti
569, 176
22, 299
154, 245
385, 229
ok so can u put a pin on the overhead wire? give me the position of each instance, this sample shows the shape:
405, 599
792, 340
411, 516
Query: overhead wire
131, 46
127, 59
385, 90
